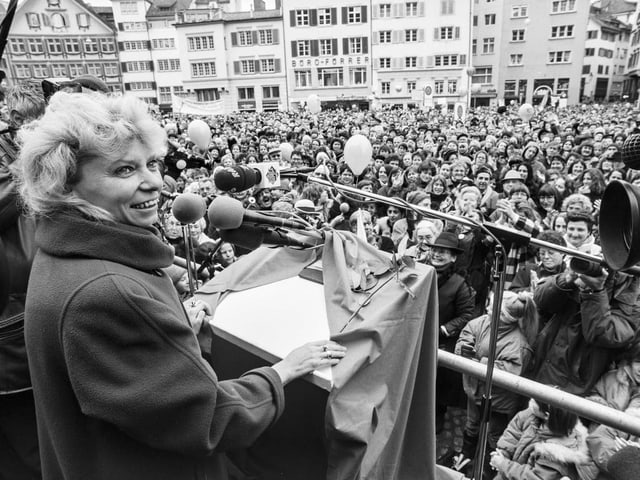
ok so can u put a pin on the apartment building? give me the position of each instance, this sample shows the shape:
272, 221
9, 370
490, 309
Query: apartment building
61, 39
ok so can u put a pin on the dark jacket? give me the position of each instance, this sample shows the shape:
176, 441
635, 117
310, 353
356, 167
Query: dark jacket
121, 387
455, 306
584, 331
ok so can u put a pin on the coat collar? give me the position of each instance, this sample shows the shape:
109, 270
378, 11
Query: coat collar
74, 236
571, 449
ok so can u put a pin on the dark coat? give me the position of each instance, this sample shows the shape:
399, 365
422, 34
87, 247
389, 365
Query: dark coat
584, 331
121, 387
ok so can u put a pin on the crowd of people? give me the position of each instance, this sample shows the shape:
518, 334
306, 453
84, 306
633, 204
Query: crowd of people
544, 177
576, 329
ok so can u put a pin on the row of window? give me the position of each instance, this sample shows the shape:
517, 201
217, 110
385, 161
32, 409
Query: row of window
603, 70
57, 21
602, 52
247, 38
311, 17
251, 67
400, 9
411, 35
440, 87
330, 77
452, 60
59, 46
518, 88
606, 36
329, 46
46, 70
268, 92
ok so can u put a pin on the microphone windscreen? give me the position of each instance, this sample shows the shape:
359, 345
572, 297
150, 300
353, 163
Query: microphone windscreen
225, 213
188, 208
344, 208
246, 236
236, 178
631, 151
502, 109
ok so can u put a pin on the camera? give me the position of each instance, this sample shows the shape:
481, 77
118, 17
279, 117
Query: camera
585, 267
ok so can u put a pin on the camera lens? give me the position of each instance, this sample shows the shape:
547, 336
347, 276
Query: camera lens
585, 267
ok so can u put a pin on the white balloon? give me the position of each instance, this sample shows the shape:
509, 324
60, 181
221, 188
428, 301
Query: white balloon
357, 153
398, 87
526, 112
475, 88
462, 92
200, 134
285, 151
313, 103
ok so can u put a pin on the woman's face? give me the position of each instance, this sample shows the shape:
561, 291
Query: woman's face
615, 175
226, 254
577, 168
346, 177
441, 257
481, 159
547, 202
412, 176
560, 225
445, 170
425, 176
587, 180
567, 146
128, 188
524, 173
560, 184
172, 228
468, 201
517, 197
438, 188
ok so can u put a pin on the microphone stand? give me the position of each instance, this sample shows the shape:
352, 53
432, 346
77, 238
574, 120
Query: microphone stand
190, 256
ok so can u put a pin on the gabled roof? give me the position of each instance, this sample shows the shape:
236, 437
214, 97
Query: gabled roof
166, 8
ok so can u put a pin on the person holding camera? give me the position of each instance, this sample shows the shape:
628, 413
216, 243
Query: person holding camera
592, 316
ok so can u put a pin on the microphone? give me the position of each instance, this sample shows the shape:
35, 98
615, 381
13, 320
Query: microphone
188, 208
226, 213
251, 237
237, 178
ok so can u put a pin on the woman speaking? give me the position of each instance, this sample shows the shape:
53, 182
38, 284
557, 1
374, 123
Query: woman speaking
122, 390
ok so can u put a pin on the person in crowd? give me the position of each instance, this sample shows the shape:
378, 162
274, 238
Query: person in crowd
517, 330
225, 256
489, 200
426, 232
455, 308
115, 359
579, 234
549, 262
548, 204
543, 442
19, 457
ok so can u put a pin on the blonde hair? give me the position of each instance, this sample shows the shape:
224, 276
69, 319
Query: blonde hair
521, 309
77, 128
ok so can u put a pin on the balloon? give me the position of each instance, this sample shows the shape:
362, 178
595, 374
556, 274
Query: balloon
525, 112
200, 134
462, 92
398, 87
171, 128
181, 164
313, 103
285, 151
357, 153
475, 88
512, 103
471, 71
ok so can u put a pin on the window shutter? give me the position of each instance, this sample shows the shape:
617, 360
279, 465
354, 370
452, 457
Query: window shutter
376, 38
277, 64
315, 48
436, 33
150, 66
395, 36
396, 62
421, 34
127, 86
46, 22
121, 26
395, 9
374, 11
430, 61
345, 14
124, 67
345, 46
236, 67
376, 63
121, 46
292, 18
365, 45
463, 59
256, 64
421, 9
276, 36
254, 37
364, 14
294, 48
234, 39
334, 16
457, 33
154, 85
147, 44
334, 46
421, 62
313, 17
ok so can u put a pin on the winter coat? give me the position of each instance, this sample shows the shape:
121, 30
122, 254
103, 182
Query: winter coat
535, 453
616, 389
512, 355
602, 440
455, 305
121, 387
584, 331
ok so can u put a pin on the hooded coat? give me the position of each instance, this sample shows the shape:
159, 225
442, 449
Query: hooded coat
535, 453
121, 386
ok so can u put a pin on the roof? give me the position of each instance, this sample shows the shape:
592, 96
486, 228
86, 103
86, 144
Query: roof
166, 8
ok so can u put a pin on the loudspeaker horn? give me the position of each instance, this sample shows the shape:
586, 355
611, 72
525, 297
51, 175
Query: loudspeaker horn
620, 225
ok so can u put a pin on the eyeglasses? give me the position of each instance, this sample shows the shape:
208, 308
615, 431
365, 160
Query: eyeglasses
547, 253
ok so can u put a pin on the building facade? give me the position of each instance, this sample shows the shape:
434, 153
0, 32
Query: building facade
61, 39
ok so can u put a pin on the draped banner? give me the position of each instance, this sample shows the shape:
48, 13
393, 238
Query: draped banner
193, 107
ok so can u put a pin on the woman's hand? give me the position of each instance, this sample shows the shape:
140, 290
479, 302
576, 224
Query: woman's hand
198, 311
307, 358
